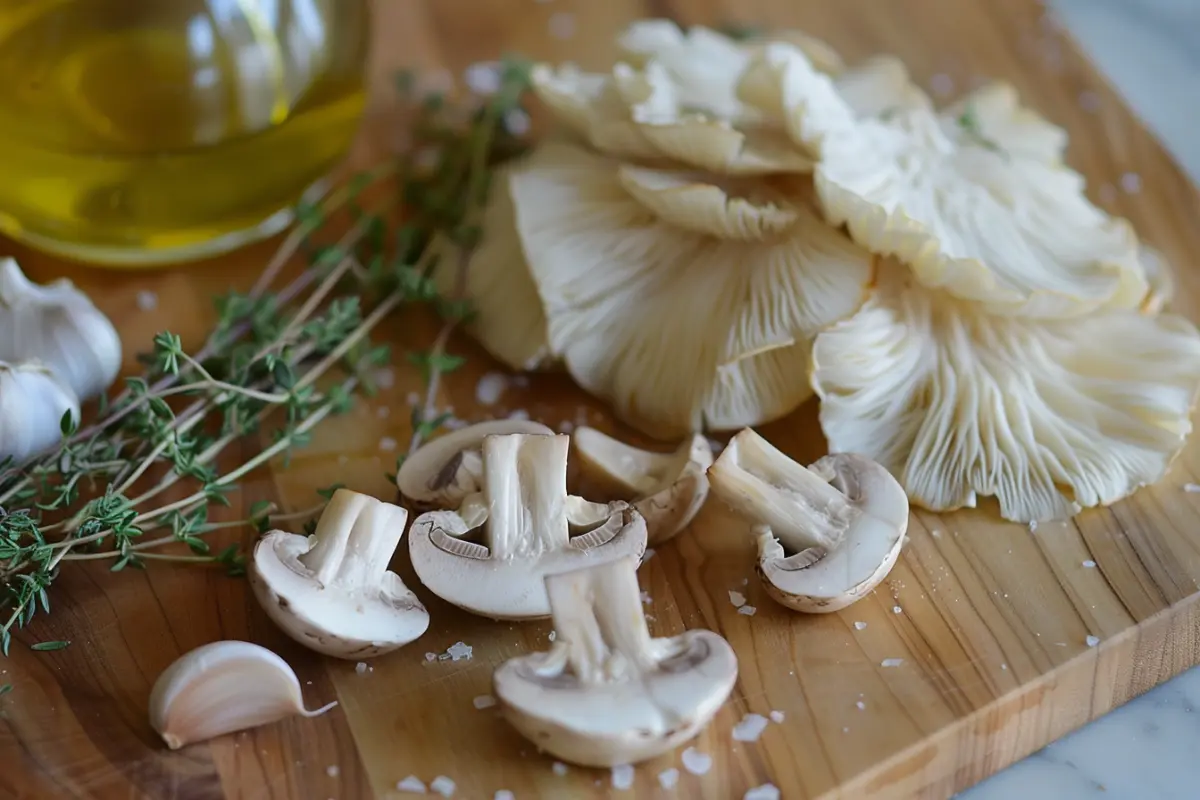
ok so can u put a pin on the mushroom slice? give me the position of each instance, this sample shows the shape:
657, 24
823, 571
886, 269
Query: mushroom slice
1047, 416
667, 489
606, 693
531, 528
441, 473
332, 591
827, 534
508, 320
967, 207
612, 254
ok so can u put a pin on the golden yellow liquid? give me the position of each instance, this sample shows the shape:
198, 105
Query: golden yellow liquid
146, 131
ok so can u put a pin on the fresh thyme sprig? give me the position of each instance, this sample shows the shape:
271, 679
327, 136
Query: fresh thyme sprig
277, 363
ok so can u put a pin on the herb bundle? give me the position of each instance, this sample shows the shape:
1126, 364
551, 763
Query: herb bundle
138, 482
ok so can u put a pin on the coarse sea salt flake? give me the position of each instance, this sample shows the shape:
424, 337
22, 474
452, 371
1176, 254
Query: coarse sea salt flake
860, 705
483, 77
750, 728
1092, 641
443, 786
362, 668
622, 777
1089, 563
412, 784
897, 609
484, 701
737, 598
460, 651
891, 662
503, 794
147, 300
860, 625
332, 770
776, 716
1192, 488
559, 768
768, 791
387, 444
491, 388
696, 762
668, 778
747, 611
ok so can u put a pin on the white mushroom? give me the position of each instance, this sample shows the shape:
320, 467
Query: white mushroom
441, 473
224, 687
606, 693
491, 560
667, 489
827, 534
972, 200
624, 256
332, 591
33, 402
1046, 416
57, 325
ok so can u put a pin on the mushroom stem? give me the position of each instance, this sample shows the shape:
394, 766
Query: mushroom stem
525, 486
599, 621
354, 541
799, 505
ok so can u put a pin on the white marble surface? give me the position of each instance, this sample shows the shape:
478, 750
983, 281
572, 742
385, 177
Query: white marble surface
1150, 748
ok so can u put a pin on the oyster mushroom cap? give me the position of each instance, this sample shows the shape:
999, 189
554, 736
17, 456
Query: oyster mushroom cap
441, 473
667, 489
606, 693
490, 556
827, 534
332, 591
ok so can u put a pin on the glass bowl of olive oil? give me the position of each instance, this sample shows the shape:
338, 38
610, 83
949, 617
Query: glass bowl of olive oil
141, 132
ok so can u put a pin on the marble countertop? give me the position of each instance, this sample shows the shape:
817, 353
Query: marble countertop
1148, 749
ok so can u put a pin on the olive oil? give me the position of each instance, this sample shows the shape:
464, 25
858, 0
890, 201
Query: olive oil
145, 131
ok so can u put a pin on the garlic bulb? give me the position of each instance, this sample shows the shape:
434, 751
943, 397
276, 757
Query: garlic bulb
224, 687
58, 325
33, 400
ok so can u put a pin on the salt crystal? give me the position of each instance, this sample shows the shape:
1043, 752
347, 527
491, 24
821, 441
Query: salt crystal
431, 656
491, 388
562, 25
860, 705
646, 598
891, 662
483, 77
443, 786
484, 701
896, 609
747, 611
459, 651
936, 533
383, 412
668, 778
1191, 488
552, 636
737, 598
768, 791
942, 85
1004, 666
696, 762
147, 300
845, 730
413, 398
520, 413
516, 122
1092, 641
503, 794
1131, 183
622, 777
332, 770
1033, 525
776, 716
385, 377
387, 444
362, 668
750, 728
412, 784
859, 626
559, 768
566, 426
1089, 563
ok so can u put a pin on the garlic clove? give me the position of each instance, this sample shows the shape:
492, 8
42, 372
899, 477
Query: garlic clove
58, 325
224, 687
33, 400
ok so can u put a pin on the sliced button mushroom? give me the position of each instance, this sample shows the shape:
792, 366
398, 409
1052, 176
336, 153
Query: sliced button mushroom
827, 534
606, 693
332, 591
443, 472
667, 489
490, 556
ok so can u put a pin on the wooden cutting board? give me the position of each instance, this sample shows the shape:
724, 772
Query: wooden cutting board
991, 620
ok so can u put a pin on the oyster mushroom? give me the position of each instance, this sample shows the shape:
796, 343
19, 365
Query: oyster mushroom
606, 693
1047, 416
827, 534
667, 489
623, 256
491, 560
441, 473
332, 591
973, 200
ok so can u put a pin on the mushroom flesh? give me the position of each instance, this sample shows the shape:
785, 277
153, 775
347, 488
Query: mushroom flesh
490, 556
441, 473
606, 693
332, 591
667, 489
827, 534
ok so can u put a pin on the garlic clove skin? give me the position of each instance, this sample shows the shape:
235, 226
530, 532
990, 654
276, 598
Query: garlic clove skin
59, 326
33, 400
224, 687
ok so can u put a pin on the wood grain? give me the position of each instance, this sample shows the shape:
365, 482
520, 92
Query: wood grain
993, 618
